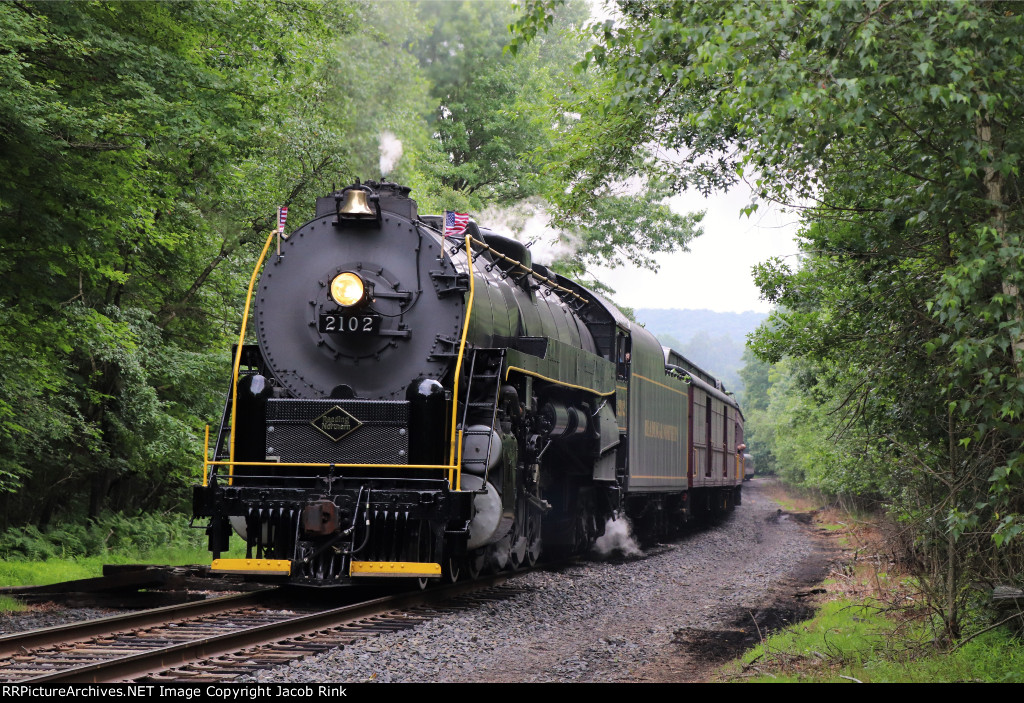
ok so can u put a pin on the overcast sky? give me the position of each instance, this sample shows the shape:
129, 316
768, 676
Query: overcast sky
716, 273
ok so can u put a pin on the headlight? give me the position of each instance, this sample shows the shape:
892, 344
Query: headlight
347, 289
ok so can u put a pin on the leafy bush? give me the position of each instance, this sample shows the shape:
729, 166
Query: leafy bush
121, 534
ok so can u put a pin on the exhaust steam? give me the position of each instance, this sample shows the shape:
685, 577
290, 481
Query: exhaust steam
529, 223
618, 539
390, 152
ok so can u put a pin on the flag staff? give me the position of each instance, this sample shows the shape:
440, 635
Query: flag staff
282, 217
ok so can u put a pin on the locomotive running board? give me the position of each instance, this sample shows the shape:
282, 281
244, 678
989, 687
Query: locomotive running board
402, 569
261, 567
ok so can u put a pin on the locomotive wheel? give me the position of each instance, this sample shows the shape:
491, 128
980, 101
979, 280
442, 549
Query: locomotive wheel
584, 532
423, 552
533, 540
474, 563
518, 551
451, 569
580, 537
498, 555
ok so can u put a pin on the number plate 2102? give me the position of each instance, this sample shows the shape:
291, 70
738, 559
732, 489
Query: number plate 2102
348, 324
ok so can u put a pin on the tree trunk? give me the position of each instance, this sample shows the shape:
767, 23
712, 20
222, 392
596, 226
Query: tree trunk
991, 135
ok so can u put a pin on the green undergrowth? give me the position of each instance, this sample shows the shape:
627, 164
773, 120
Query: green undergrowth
110, 534
29, 556
857, 641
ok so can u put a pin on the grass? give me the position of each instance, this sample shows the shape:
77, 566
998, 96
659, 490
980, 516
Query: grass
793, 501
33, 558
11, 605
871, 626
54, 570
857, 641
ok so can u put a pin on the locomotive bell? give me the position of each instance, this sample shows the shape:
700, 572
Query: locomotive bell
356, 205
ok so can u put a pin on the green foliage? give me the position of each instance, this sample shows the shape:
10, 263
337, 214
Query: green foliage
30, 573
486, 123
616, 230
361, 114
137, 141
897, 128
758, 427
794, 428
500, 115
11, 605
114, 534
67, 552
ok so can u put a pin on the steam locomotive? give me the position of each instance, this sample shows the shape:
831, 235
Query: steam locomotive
425, 406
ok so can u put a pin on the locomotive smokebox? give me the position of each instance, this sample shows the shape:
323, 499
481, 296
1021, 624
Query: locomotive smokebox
318, 336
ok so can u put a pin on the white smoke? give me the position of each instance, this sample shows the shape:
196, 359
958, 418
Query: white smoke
390, 152
529, 223
618, 538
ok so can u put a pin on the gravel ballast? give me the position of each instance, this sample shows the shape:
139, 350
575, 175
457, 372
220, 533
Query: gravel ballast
49, 616
614, 620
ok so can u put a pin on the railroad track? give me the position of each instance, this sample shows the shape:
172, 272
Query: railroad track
222, 638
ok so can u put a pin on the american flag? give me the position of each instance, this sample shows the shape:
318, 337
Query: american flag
282, 217
455, 223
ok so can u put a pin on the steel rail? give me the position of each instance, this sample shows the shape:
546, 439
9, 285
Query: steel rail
19, 642
159, 659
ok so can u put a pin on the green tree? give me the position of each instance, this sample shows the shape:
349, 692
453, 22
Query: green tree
900, 124
758, 431
137, 158
499, 115
487, 119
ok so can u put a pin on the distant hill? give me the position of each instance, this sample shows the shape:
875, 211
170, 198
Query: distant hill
712, 340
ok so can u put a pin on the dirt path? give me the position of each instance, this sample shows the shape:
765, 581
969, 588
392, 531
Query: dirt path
696, 652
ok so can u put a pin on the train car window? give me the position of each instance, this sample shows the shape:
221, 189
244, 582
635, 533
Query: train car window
622, 348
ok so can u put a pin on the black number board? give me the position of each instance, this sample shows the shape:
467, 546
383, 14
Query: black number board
339, 323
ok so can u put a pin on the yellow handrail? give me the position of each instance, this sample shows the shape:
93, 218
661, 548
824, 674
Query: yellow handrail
206, 456
311, 465
455, 450
238, 353
530, 272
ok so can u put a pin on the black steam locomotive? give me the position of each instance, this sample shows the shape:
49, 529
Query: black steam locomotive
422, 405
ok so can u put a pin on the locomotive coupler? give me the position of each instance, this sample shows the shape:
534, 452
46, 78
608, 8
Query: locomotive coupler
320, 518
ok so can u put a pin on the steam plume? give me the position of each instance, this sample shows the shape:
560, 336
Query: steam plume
617, 537
529, 223
390, 152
